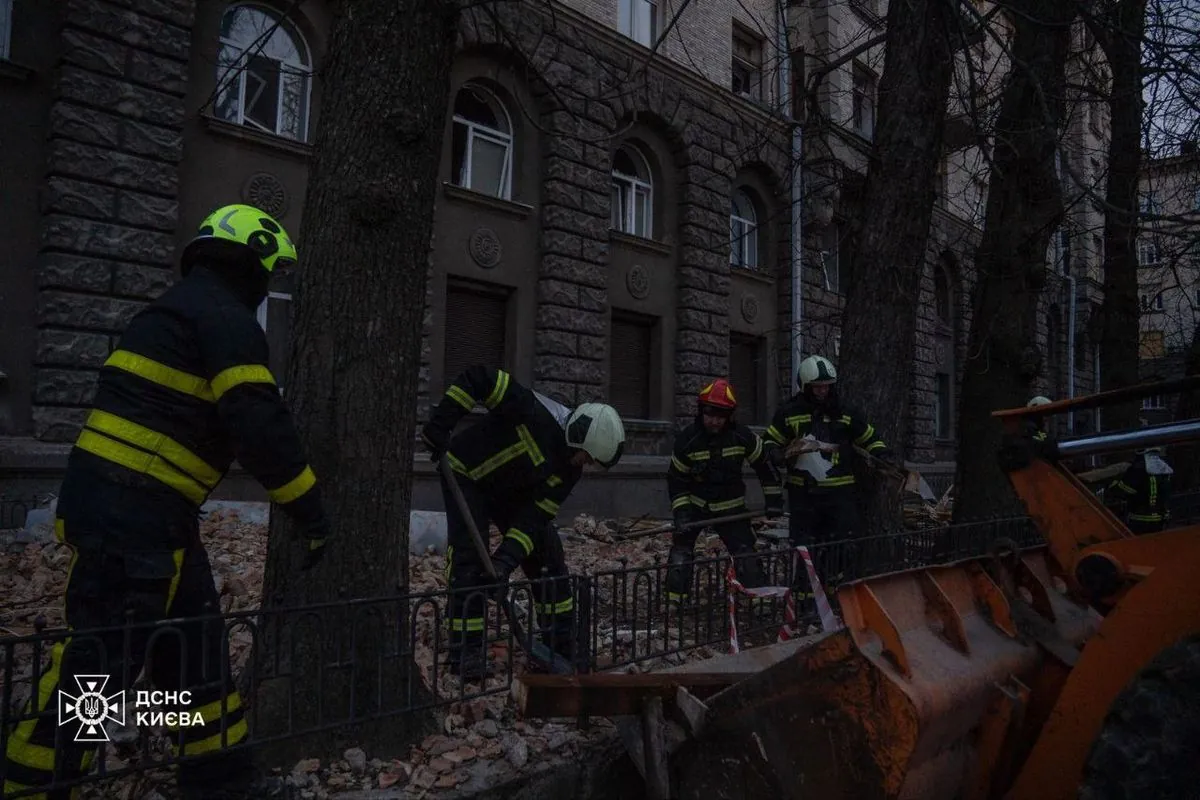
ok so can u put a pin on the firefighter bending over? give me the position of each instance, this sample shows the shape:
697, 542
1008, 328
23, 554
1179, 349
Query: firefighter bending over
705, 481
515, 467
822, 509
186, 390
1146, 489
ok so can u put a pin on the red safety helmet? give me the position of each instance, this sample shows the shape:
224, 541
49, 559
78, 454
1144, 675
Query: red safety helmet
718, 396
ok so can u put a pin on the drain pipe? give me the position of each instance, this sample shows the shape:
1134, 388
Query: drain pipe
1096, 379
1071, 350
786, 103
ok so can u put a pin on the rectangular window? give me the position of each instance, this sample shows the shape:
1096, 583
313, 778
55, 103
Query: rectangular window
943, 404
1147, 253
1153, 403
275, 316
476, 328
1148, 203
863, 100
631, 344
747, 371
5, 29
638, 19
746, 68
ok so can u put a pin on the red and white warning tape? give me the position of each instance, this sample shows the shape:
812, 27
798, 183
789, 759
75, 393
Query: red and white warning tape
829, 620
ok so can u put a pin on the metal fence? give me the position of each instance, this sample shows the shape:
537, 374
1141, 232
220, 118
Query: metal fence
346, 664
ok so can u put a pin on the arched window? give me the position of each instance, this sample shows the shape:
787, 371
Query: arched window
632, 193
264, 72
482, 143
743, 232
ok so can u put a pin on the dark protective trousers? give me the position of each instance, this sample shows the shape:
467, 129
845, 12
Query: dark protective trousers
107, 588
821, 516
738, 539
545, 568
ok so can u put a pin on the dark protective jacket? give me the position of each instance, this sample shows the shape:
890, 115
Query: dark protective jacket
186, 390
517, 454
829, 422
1146, 496
705, 473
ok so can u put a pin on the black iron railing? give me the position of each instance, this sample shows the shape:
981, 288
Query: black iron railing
338, 665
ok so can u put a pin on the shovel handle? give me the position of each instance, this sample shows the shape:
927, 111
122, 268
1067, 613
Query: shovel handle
481, 548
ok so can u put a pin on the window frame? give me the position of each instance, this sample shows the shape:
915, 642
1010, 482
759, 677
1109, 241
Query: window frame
631, 187
862, 115
281, 25
753, 69
262, 315
627, 21
751, 232
1148, 245
943, 433
487, 134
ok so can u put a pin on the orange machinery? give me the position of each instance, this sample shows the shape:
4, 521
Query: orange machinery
1065, 670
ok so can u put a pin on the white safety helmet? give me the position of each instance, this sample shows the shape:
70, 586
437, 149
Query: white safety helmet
1040, 400
816, 371
596, 429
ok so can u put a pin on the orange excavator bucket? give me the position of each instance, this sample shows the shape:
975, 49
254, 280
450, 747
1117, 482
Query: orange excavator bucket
923, 695
984, 679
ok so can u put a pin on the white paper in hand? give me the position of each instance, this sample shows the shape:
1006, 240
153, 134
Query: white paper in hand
1156, 466
813, 462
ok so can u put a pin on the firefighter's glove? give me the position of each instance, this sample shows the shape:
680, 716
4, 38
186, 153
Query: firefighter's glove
683, 517
434, 441
314, 541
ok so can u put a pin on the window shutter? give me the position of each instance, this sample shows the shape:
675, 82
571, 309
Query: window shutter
745, 371
629, 371
476, 324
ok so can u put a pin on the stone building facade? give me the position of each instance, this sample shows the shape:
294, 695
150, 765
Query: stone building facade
611, 223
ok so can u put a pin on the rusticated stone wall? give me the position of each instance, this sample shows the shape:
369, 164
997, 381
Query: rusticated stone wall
109, 202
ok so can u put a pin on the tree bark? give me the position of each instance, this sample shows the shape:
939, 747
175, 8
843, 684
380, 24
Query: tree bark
880, 322
1024, 205
352, 380
1121, 33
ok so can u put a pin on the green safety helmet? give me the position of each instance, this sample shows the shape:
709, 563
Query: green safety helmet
237, 228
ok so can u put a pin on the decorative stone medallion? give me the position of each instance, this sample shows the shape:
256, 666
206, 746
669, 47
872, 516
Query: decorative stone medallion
637, 281
749, 307
264, 190
485, 248
939, 352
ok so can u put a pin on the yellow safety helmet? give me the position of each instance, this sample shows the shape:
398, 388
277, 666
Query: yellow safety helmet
248, 227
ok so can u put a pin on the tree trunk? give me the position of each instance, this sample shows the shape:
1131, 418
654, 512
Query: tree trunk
352, 381
1024, 205
1121, 35
880, 321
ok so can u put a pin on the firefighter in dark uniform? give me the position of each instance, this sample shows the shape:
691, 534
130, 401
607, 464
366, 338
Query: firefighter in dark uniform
185, 391
1036, 428
704, 481
514, 467
823, 509
1146, 489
